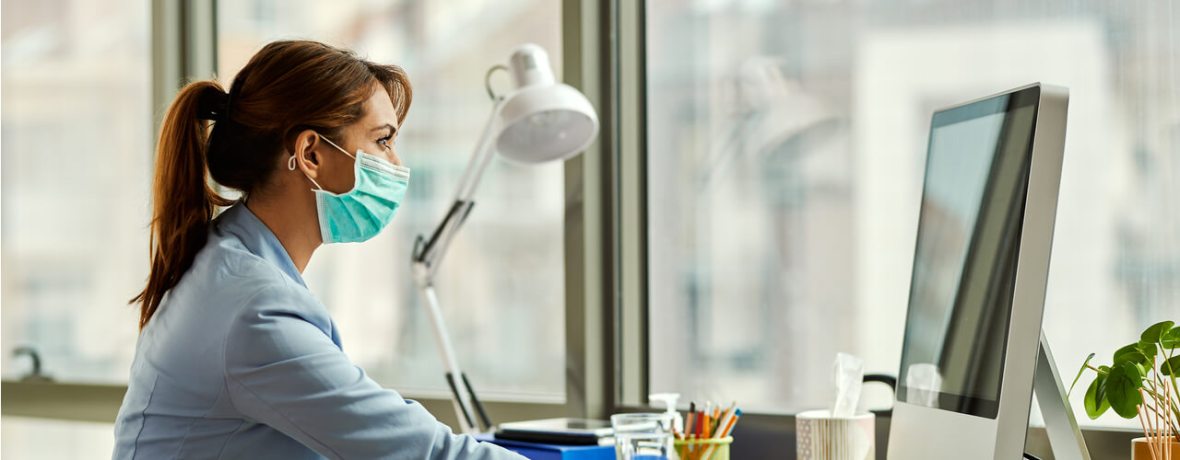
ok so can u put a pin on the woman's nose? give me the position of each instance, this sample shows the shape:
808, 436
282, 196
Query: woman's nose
393, 158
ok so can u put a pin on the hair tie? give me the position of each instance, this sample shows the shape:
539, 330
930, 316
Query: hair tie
214, 105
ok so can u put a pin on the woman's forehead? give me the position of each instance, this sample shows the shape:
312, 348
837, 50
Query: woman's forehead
379, 110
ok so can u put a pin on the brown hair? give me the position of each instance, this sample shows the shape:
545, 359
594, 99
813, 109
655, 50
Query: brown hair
287, 87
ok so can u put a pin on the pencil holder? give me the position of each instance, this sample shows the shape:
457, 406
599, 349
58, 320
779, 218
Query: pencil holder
703, 449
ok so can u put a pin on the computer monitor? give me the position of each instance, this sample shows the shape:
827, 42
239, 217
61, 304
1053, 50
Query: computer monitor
973, 327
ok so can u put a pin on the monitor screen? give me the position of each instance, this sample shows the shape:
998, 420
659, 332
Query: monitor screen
977, 172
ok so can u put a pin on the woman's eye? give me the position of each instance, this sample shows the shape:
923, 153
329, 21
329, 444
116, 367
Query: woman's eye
385, 141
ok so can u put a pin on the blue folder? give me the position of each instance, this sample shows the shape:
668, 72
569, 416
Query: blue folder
537, 451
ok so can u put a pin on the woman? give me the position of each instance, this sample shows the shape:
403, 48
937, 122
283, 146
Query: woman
235, 358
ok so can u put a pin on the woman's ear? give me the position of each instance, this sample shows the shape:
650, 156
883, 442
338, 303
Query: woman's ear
305, 157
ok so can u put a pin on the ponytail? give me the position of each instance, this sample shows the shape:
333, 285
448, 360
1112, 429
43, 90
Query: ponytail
183, 203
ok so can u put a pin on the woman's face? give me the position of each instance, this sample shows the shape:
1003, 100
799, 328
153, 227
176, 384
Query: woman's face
374, 133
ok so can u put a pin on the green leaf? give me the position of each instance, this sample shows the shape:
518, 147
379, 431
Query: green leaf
1171, 340
1141, 371
1080, 371
1148, 349
1095, 400
1171, 366
1155, 333
1122, 389
1134, 353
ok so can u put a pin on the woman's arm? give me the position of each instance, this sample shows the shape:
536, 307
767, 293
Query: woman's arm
284, 371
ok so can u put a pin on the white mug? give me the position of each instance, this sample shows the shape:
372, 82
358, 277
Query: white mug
819, 436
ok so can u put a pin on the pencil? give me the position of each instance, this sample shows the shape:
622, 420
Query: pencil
707, 418
729, 428
723, 418
723, 422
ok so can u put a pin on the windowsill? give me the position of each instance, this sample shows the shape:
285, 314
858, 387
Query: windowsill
486, 396
63, 401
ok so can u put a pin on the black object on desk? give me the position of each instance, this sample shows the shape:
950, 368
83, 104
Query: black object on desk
572, 431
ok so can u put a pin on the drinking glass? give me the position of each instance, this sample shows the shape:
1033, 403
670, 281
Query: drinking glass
643, 436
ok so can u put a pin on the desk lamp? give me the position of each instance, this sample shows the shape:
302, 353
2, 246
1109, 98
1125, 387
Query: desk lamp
538, 121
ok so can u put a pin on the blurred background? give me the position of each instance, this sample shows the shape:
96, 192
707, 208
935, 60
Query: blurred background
786, 147
785, 151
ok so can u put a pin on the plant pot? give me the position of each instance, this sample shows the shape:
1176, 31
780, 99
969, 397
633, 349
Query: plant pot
1141, 451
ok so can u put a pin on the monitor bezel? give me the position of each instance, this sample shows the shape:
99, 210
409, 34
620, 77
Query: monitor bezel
1006, 103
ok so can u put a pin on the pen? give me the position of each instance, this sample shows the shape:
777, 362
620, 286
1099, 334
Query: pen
736, 415
724, 422
707, 413
700, 425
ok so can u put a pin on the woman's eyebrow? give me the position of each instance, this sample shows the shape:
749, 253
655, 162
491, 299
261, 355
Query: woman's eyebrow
392, 129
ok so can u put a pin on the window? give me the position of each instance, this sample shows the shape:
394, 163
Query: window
786, 149
501, 284
77, 146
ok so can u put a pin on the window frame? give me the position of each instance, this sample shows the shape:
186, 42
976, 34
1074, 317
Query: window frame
184, 47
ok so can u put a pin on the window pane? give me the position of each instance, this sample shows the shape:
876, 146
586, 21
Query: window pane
77, 146
501, 284
786, 149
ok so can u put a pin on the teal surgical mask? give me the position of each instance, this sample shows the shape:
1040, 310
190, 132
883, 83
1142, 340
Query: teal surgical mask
360, 213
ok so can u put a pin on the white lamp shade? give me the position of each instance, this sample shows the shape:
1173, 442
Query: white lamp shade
541, 123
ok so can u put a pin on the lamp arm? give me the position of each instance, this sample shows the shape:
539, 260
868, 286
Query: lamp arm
427, 255
429, 252
480, 157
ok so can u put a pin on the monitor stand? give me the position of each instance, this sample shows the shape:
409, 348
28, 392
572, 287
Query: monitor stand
1065, 439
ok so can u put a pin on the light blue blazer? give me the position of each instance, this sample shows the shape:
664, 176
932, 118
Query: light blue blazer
240, 361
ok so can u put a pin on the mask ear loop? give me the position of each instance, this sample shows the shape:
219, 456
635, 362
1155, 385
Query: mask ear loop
333, 144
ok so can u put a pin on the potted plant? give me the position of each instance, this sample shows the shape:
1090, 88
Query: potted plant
1140, 383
